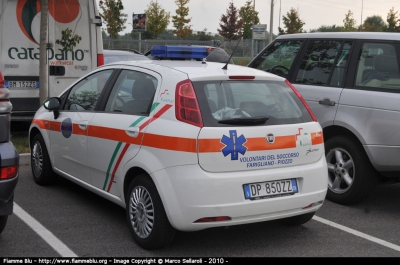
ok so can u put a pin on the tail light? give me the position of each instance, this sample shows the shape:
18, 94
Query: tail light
2, 82
240, 77
8, 172
186, 106
100, 59
302, 100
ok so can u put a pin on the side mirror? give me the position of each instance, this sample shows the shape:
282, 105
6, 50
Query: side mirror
53, 104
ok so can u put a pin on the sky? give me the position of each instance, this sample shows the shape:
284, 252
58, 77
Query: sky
207, 13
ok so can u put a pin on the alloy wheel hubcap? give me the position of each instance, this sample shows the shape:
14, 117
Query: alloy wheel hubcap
341, 170
37, 159
141, 212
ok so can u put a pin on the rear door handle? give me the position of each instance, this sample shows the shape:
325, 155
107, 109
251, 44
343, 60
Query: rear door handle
83, 125
133, 132
327, 102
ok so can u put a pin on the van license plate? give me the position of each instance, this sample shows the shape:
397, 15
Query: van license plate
270, 189
21, 84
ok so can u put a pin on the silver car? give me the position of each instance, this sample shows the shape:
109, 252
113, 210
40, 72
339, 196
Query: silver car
351, 81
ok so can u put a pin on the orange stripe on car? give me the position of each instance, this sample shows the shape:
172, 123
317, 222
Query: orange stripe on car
113, 134
260, 144
55, 126
170, 143
43, 124
317, 138
210, 145
180, 143
252, 144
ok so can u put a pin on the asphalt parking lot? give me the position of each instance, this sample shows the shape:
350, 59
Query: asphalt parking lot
72, 221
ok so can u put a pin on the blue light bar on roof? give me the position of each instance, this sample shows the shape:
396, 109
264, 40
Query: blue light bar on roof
179, 52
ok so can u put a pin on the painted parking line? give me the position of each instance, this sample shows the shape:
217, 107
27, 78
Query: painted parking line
357, 233
45, 234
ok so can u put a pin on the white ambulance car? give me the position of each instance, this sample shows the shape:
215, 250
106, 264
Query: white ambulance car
185, 145
19, 48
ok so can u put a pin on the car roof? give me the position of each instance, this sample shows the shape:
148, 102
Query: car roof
344, 35
196, 70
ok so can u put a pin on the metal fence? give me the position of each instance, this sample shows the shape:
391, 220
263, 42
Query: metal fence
245, 48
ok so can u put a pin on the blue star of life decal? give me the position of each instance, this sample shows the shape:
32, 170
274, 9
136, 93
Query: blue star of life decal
234, 145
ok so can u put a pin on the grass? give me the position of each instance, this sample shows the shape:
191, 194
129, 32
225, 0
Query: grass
20, 141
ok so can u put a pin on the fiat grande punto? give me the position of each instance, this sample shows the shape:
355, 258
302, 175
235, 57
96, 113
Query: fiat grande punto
184, 145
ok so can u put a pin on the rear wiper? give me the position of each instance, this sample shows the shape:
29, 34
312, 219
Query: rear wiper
246, 121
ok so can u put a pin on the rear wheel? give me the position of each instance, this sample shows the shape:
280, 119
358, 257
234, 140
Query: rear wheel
146, 216
3, 222
297, 220
351, 176
42, 171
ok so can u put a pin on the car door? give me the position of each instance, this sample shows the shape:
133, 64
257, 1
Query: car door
319, 76
69, 132
370, 105
116, 133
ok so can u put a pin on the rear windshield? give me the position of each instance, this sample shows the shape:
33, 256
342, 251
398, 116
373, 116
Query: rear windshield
246, 100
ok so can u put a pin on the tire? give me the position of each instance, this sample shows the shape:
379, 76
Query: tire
297, 220
3, 222
351, 176
159, 232
42, 170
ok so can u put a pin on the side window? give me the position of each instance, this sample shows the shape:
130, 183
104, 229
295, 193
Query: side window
378, 66
210, 91
133, 93
84, 95
319, 63
279, 57
341, 65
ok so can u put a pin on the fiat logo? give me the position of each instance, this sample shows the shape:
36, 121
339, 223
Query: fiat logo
270, 138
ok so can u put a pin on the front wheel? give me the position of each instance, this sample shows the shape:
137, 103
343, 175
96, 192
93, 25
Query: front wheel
351, 176
3, 222
42, 170
146, 216
297, 220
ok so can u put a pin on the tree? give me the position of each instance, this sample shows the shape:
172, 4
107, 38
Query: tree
113, 17
68, 40
180, 21
230, 25
374, 23
325, 28
157, 18
393, 21
43, 90
104, 34
292, 22
203, 35
250, 17
349, 23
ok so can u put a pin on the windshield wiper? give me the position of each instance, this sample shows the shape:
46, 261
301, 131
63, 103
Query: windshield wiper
246, 121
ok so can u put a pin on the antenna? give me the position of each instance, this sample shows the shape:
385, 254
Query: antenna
230, 57
219, 47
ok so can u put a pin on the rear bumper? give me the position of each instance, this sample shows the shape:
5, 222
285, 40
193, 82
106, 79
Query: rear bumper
189, 193
7, 188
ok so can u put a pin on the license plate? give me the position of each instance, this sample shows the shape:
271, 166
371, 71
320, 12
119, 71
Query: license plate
270, 189
22, 84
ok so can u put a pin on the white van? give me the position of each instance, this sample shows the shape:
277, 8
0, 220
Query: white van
19, 48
